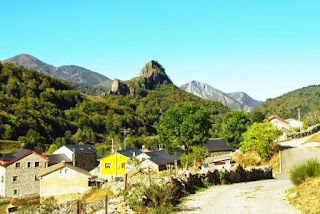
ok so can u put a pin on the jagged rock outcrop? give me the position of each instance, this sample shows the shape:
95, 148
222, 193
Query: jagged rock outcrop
151, 75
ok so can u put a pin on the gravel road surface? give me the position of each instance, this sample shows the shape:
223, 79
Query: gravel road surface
258, 197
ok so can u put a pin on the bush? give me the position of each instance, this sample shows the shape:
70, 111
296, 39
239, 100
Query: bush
300, 173
250, 158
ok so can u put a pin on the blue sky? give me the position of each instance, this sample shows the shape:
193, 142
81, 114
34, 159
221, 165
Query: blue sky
264, 48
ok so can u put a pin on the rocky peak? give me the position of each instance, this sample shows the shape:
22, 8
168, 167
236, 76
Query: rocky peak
151, 75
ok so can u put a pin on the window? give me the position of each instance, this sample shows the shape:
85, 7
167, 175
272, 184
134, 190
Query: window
15, 178
29, 164
15, 192
18, 165
36, 164
66, 171
35, 178
2, 179
123, 165
107, 165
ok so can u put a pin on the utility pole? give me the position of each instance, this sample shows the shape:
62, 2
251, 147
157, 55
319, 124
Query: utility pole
112, 150
124, 131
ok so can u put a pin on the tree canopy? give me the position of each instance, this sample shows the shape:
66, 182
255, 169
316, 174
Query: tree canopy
183, 126
259, 137
234, 124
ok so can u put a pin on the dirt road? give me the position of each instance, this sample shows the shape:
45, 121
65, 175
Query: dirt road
258, 197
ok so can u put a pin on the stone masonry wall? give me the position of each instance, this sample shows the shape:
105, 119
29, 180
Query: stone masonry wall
86, 160
26, 183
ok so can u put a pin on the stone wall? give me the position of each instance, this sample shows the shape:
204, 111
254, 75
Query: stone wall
26, 183
190, 183
312, 130
86, 160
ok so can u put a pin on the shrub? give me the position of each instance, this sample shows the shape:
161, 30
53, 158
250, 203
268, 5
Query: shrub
300, 173
250, 158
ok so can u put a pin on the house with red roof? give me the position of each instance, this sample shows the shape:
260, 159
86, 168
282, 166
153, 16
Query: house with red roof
18, 173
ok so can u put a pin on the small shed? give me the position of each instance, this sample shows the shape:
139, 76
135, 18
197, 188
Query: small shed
217, 146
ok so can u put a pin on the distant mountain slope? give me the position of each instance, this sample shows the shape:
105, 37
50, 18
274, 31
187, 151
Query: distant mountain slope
237, 101
286, 105
245, 99
70, 73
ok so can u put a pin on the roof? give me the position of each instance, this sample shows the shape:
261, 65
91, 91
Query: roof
130, 152
278, 118
81, 148
57, 158
9, 159
59, 166
161, 158
217, 145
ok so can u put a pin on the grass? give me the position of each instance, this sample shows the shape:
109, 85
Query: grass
250, 158
96, 194
306, 197
314, 138
275, 163
3, 206
300, 173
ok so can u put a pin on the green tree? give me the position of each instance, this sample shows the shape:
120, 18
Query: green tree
183, 126
197, 153
234, 124
259, 137
53, 147
32, 139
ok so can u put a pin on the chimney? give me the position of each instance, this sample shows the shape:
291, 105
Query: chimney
160, 147
74, 157
134, 154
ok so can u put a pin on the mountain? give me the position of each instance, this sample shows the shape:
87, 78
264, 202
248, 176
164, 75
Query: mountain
70, 73
306, 99
245, 99
237, 101
151, 75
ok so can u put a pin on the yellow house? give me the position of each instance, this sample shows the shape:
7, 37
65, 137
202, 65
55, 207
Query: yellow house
115, 165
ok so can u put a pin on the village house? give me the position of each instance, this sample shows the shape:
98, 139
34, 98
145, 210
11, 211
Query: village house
217, 146
82, 156
157, 160
63, 181
115, 165
18, 173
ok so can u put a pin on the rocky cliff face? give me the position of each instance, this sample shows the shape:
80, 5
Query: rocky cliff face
151, 75
210, 93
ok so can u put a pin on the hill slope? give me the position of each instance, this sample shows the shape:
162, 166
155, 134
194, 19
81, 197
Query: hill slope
41, 110
307, 99
237, 101
70, 73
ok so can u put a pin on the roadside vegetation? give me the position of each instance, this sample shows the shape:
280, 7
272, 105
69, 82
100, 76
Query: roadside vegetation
306, 193
309, 169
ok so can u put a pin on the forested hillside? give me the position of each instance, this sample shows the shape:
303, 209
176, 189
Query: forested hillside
307, 99
39, 110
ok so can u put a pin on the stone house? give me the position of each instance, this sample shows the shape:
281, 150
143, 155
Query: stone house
18, 173
217, 146
82, 156
63, 181
157, 160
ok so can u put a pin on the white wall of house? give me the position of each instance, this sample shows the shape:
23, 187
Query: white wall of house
2, 180
62, 182
295, 123
64, 150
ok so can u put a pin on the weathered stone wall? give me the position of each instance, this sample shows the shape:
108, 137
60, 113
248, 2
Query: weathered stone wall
189, 184
86, 160
26, 183
314, 129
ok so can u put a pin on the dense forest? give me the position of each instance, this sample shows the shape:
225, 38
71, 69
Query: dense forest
39, 110
306, 99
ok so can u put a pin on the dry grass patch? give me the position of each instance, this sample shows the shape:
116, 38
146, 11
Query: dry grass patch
96, 194
306, 197
275, 163
314, 138
250, 158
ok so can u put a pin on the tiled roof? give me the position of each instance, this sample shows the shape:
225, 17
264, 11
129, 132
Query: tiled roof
81, 148
19, 155
58, 166
278, 118
130, 152
217, 145
161, 158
